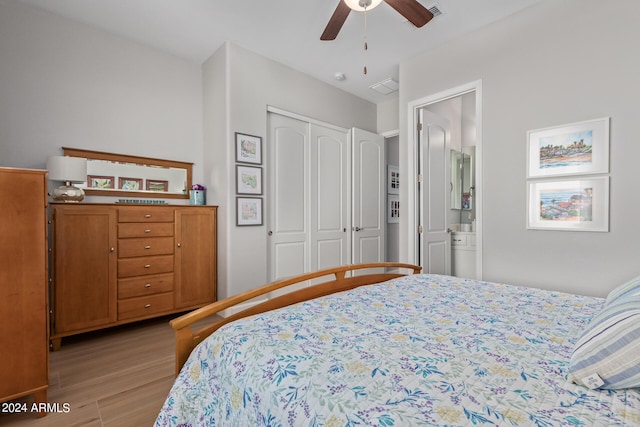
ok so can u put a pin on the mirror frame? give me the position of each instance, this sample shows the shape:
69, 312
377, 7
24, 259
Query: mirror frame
99, 155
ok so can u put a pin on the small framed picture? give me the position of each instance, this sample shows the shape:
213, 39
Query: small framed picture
580, 204
130, 184
572, 149
393, 209
248, 180
248, 211
248, 148
393, 180
99, 181
157, 185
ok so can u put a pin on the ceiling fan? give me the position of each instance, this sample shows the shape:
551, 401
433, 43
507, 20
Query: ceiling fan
413, 11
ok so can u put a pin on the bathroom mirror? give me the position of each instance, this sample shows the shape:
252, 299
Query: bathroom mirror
462, 180
110, 174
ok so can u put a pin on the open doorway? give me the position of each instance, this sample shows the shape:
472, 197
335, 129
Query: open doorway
447, 201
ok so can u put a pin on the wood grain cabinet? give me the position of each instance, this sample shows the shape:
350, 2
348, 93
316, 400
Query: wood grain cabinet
24, 350
118, 264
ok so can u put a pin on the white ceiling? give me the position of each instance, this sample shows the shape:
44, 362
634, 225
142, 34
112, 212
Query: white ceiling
288, 31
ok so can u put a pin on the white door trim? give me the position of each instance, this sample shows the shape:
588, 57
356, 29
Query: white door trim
272, 109
412, 138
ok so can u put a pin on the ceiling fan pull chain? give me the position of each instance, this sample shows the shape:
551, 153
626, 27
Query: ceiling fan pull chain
365, 37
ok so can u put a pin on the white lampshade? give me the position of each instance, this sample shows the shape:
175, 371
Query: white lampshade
361, 5
67, 169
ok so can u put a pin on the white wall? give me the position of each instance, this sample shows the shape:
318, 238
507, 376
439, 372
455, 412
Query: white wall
253, 83
66, 84
557, 62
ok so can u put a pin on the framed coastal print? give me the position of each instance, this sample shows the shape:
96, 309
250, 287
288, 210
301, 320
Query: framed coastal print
248, 211
100, 181
248, 180
130, 184
580, 204
573, 149
248, 148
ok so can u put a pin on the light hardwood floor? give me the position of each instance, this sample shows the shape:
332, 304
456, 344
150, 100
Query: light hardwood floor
118, 377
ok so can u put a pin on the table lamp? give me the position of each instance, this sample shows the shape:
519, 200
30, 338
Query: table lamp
68, 170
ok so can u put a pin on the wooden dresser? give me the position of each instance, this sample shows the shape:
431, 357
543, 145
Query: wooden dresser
24, 349
115, 264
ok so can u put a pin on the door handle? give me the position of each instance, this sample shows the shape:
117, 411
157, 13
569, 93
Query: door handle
357, 228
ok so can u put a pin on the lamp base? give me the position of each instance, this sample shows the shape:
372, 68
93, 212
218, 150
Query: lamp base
68, 194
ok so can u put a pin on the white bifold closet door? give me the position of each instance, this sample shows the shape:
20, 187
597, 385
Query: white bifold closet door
314, 191
309, 196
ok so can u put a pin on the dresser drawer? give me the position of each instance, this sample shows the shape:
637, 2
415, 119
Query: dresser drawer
145, 285
154, 229
128, 248
144, 306
145, 214
130, 267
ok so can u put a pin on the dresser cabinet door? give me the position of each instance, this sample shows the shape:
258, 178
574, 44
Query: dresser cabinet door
85, 267
195, 256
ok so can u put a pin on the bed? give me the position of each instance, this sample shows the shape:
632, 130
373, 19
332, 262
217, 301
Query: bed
392, 349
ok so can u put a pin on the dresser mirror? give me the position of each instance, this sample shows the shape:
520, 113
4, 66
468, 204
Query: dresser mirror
110, 174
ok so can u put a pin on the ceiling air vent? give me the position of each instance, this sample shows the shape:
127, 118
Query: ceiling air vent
435, 10
386, 86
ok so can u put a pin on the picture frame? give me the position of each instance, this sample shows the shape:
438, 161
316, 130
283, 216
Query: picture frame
577, 204
156, 185
393, 209
573, 149
248, 148
100, 181
393, 180
248, 180
130, 184
248, 211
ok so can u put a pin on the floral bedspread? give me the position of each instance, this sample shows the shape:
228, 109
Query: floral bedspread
418, 350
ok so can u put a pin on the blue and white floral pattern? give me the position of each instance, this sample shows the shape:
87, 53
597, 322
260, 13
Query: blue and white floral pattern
418, 350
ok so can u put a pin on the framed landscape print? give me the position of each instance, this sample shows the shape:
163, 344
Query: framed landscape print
580, 204
572, 149
130, 184
156, 185
248, 180
248, 211
248, 148
99, 181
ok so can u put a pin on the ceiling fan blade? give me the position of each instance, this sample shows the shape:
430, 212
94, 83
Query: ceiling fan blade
415, 13
336, 21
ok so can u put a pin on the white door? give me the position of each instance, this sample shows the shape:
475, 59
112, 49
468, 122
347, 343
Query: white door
330, 193
434, 193
288, 197
308, 197
369, 201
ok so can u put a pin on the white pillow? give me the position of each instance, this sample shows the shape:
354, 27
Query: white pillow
630, 288
607, 355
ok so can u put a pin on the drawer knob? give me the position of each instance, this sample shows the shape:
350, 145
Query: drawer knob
147, 216
147, 247
148, 285
147, 266
147, 231
147, 306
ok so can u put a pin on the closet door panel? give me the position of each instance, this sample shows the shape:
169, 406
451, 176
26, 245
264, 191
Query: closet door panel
329, 193
288, 197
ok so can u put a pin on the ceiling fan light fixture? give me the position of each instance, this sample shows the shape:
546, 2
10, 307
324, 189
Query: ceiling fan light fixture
362, 5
